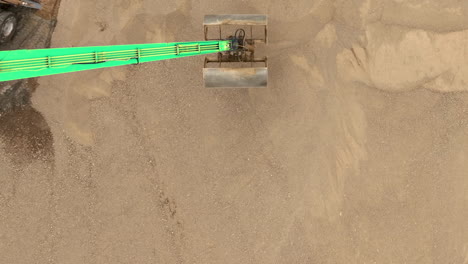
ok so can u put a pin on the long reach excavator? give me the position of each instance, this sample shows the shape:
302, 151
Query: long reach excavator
230, 59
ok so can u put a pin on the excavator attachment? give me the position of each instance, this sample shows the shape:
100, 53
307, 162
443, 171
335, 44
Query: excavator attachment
237, 67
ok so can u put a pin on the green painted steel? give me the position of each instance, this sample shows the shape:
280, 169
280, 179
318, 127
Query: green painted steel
21, 64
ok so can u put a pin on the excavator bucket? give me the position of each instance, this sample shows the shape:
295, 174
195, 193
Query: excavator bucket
238, 67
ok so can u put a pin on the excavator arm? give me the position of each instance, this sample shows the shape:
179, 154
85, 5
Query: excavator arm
21, 64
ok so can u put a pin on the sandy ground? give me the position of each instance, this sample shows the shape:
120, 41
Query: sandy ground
356, 153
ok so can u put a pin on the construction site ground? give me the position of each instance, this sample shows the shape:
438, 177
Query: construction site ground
356, 152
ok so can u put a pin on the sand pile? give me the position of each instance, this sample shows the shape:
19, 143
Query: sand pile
409, 45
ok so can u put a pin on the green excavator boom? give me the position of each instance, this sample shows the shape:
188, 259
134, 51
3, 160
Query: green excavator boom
21, 64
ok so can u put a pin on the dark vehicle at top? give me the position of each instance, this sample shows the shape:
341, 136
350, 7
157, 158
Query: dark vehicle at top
9, 20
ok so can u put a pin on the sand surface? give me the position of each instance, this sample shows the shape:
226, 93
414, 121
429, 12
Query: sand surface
356, 153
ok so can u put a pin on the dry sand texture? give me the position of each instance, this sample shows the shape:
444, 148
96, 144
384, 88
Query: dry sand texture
356, 153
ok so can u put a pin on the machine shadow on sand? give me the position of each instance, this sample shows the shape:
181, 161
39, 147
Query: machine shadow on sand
24, 132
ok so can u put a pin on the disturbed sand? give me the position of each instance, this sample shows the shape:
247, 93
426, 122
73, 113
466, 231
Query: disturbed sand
356, 153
